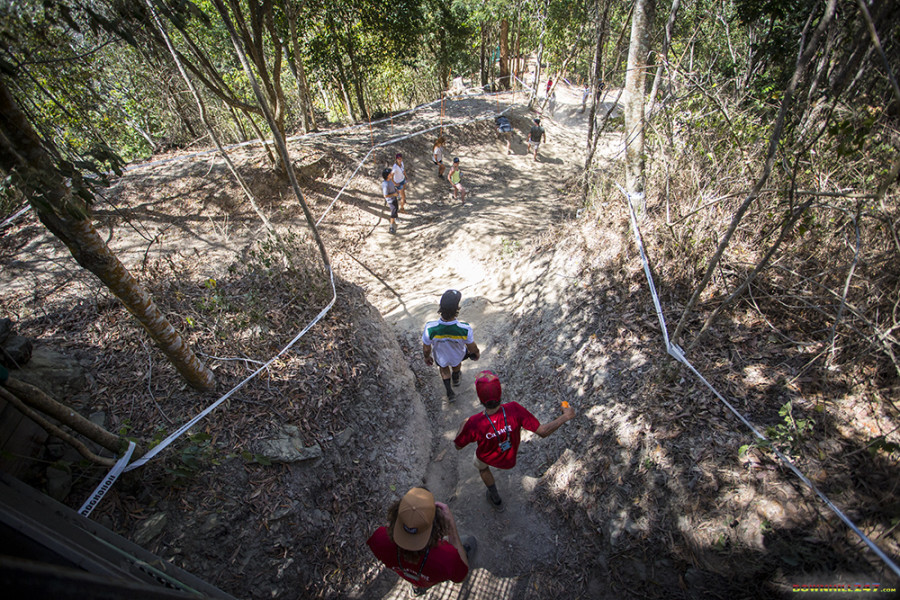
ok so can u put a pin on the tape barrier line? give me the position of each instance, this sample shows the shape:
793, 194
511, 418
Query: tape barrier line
106, 483
676, 352
121, 467
311, 135
180, 431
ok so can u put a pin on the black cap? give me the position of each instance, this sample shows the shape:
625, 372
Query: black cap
385, 173
450, 302
538, 121
456, 159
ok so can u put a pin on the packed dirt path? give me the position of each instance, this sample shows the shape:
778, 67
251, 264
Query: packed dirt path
442, 243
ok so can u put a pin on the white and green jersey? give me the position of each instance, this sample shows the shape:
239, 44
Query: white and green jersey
448, 341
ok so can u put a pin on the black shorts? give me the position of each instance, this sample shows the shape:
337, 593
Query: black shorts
395, 205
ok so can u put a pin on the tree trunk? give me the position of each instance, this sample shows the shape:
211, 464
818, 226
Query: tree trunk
667, 42
342, 82
596, 76
540, 55
635, 77
358, 79
67, 217
252, 32
261, 138
504, 55
242, 132
484, 63
307, 112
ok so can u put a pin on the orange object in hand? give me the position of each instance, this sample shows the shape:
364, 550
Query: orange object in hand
565, 404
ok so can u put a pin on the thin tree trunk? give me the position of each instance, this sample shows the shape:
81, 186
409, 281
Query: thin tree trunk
358, 79
242, 131
803, 59
202, 108
67, 217
596, 77
667, 42
483, 61
342, 82
504, 54
279, 140
540, 56
307, 112
635, 77
262, 138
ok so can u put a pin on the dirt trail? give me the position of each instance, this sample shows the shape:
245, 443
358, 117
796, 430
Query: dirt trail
440, 244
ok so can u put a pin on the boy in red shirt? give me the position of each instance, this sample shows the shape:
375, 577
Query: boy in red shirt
497, 432
413, 544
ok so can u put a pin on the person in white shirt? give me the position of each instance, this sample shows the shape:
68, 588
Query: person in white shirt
400, 181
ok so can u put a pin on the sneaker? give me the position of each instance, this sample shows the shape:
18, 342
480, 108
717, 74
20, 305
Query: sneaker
495, 501
455, 378
471, 546
392, 229
451, 396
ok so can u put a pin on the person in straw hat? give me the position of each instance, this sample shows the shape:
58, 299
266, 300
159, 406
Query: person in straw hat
413, 544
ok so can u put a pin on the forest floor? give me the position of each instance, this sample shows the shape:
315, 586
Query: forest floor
643, 495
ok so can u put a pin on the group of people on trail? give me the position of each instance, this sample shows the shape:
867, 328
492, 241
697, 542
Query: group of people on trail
421, 542
394, 178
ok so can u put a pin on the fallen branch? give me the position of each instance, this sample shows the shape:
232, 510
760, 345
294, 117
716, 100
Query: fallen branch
36, 398
54, 430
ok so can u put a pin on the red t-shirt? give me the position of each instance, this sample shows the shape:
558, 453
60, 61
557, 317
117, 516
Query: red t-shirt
442, 563
491, 431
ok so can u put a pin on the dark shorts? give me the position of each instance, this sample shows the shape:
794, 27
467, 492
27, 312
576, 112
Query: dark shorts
394, 204
400, 185
438, 162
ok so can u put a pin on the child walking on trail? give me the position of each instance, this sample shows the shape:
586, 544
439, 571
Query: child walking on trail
437, 155
399, 171
536, 136
389, 191
453, 177
497, 432
449, 341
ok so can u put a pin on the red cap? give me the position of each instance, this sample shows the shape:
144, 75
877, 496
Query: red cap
487, 386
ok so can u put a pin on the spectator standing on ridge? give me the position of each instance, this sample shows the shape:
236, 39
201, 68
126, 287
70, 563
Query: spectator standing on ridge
400, 179
536, 136
549, 85
437, 155
413, 544
454, 178
497, 432
389, 191
505, 131
585, 96
449, 341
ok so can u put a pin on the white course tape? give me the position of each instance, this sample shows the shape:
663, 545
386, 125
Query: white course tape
678, 354
180, 431
108, 481
120, 467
